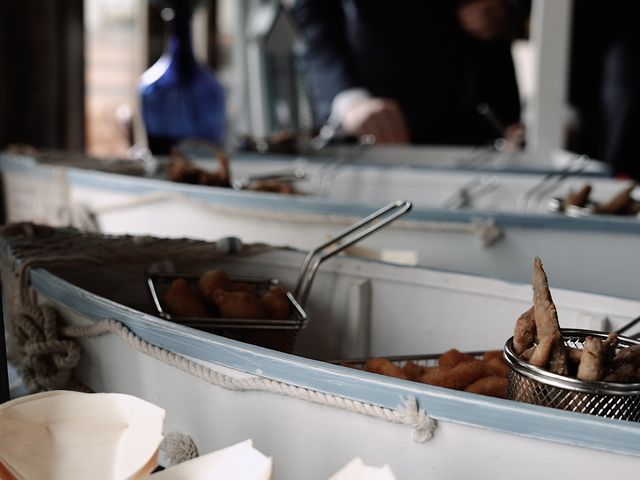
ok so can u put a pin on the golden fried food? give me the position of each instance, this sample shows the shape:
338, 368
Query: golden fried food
542, 353
238, 305
591, 368
224, 172
468, 371
622, 203
628, 355
180, 169
277, 303
498, 366
413, 371
494, 386
458, 377
247, 287
383, 366
492, 354
618, 204
597, 360
453, 357
579, 197
180, 299
524, 332
623, 374
546, 319
526, 355
212, 179
212, 280
274, 186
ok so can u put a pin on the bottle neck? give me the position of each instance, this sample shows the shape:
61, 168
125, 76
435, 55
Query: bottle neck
179, 44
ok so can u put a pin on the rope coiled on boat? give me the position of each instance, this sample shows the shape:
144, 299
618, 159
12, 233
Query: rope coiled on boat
47, 362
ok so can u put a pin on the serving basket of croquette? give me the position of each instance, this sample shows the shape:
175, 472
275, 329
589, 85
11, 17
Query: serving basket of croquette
581, 371
253, 310
260, 311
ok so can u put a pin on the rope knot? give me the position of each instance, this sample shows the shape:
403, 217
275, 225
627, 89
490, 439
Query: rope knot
424, 426
47, 362
178, 447
488, 232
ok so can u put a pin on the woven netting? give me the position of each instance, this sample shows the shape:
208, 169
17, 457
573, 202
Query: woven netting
45, 358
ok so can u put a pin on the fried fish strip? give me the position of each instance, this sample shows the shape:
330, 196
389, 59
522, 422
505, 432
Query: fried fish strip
628, 355
579, 197
542, 353
591, 368
546, 319
622, 374
524, 332
224, 172
526, 355
618, 203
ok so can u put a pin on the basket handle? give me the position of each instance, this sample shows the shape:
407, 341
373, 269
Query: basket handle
626, 327
348, 237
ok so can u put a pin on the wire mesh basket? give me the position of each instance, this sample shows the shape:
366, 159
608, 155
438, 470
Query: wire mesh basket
427, 360
277, 334
530, 384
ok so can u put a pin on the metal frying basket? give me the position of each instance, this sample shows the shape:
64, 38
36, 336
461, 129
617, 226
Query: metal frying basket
271, 333
530, 384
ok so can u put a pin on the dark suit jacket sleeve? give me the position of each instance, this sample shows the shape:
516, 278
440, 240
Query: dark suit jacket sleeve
321, 27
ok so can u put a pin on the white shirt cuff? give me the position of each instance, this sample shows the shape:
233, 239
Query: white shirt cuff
343, 101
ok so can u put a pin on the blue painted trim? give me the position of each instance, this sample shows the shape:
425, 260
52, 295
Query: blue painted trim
288, 204
508, 169
460, 407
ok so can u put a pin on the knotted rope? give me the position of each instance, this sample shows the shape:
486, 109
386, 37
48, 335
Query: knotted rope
178, 447
409, 414
47, 362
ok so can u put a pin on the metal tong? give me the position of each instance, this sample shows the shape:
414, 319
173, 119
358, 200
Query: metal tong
629, 325
288, 176
550, 182
348, 237
472, 190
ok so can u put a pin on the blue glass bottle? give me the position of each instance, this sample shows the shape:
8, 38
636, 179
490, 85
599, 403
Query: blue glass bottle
181, 98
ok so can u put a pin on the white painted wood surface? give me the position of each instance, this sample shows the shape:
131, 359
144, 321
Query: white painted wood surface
412, 310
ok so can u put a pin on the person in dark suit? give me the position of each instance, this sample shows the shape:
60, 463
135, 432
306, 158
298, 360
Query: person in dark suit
412, 71
604, 82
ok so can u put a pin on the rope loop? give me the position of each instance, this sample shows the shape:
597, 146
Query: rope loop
423, 425
47, 362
